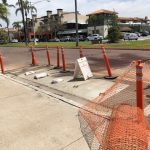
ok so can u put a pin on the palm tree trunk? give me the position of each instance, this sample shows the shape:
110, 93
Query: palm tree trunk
23, 19
18, 35
8, 32
26, 24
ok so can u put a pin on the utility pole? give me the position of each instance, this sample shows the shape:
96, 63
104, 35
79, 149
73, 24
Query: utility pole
76, 19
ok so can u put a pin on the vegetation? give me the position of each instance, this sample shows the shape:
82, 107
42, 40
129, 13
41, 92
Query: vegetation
114, 30
3, 12
24, 7
3, 37
17, 25
121, 45
93, 21
20, 3
7, 20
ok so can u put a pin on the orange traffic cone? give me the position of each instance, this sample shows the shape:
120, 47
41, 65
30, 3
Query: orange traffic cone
81, 52
48, 55
34, 61
2, 64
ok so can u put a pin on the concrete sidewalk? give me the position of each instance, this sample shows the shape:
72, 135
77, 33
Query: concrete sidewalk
31, 120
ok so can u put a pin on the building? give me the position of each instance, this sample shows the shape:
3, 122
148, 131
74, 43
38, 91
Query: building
99, 22
11, 32
57, 25
134, 23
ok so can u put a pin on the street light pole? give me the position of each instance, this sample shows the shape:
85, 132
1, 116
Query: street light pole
76, 20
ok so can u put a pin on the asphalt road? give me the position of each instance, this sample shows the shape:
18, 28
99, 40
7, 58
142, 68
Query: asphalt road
19, 57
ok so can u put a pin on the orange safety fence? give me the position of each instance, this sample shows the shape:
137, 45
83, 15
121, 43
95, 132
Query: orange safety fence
127, 130
113, 121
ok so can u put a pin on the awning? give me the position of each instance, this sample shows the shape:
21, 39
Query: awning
72, 31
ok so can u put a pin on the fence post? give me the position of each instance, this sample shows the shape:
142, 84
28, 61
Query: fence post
139, 85
58, 59
81, 52
107, 64
48, 55
63, 59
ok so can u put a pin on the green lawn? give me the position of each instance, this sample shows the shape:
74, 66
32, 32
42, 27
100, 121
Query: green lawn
120, 45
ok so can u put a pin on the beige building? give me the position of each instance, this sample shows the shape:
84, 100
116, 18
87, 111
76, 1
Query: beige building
103, 17
98, 22
59, 24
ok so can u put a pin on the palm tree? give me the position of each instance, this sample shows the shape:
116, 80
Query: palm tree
93, 20
3, 12
17, 25
25, 7
21, 8
6, 19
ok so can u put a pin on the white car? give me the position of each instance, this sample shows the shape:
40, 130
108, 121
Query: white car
32, 40
94, 37
130, 36
14, 41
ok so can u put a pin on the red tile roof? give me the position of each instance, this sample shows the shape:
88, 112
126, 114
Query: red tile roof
101, 11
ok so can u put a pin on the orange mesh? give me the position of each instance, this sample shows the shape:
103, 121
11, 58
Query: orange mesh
112, 121
127, 130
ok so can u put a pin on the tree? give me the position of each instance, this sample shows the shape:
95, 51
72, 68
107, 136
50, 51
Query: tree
93, 20
3, 12
21, 8
3, 36
25, 7
17, 26
6, 18
114, 30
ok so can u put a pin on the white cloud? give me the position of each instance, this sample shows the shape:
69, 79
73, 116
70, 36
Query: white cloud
126, 8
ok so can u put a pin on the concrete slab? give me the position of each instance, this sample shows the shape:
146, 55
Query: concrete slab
34, 121
7, 90
88, 89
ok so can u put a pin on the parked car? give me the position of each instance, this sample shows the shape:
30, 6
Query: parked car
65, 38
32, 40
82, 38
54, 40
130, 36
145, 33
138, 34
94, 37
14, 41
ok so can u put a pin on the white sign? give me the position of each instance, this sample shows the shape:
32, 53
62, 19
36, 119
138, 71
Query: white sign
82, 68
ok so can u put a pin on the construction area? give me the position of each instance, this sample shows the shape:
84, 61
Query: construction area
57, 99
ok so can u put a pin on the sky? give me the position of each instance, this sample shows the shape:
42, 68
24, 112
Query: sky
125, 8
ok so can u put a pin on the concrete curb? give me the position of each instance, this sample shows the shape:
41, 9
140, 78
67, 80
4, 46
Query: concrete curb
63, 99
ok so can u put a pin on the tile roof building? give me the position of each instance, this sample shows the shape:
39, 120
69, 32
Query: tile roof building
58, 24
103, 16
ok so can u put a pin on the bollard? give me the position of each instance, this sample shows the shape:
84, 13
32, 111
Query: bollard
34, 61
2, 64
81, 52
58, 61
63, 59
139, 86
48, 55
107, 64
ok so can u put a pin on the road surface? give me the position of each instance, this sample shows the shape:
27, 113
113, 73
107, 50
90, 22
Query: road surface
19, 57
